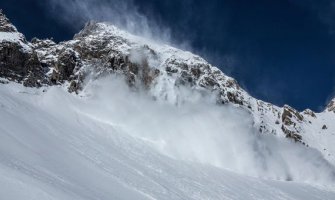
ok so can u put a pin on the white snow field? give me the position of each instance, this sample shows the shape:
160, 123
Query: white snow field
110, 142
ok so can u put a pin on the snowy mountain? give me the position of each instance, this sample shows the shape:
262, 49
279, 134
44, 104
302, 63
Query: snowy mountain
111, 115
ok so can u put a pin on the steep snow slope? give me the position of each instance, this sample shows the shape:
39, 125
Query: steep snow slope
55, 145
179, 129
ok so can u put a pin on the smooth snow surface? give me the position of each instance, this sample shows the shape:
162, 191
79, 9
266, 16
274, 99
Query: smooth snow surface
113, 143
9, 36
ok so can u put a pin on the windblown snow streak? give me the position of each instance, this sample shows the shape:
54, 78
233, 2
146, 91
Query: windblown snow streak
122, 13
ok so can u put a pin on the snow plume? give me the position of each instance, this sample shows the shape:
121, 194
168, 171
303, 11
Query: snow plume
122, 13
56, 145
110, 142
191, 127
177, 122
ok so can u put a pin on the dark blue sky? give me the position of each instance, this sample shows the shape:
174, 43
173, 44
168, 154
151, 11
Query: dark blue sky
280, 51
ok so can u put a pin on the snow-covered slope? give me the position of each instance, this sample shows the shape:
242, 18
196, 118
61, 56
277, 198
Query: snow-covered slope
101, 49
173, 127
55, 145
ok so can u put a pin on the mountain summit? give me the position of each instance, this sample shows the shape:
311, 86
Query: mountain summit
165, 74
101, 48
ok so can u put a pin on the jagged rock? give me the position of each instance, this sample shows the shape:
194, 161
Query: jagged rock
234, 98
67, 62
290, 119
309, 112
288, 113
291, 134
18, 62
19, 65
42, 44
196, 72
171, 70
324, 127
286, 118
5, 25
74, 86
331, 106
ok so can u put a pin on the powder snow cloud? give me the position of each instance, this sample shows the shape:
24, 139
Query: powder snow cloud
122, 13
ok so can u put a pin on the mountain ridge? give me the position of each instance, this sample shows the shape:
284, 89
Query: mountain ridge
101, 48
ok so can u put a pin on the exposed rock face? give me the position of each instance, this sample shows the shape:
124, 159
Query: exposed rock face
5, 25
64, 67
290, 118
18, 62
20, 66
101, 49
331, 106
309, 112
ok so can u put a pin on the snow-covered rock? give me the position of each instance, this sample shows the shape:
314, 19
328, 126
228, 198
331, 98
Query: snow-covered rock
18, 60
331, 106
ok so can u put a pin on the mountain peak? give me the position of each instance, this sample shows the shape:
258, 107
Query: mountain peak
100, 49
9, 33
126, 42
5, 24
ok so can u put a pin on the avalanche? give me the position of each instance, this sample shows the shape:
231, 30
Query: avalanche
110, 142
110, 115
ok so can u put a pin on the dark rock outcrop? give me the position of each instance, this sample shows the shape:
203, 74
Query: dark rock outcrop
18, 62
331, 106
5, 25
324, 127
19, 65
64, 68
290, 118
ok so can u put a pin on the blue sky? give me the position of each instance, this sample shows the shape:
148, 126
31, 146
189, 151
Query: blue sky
279, 51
